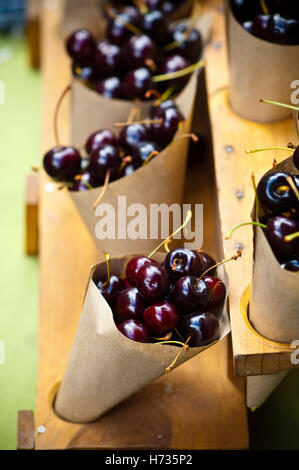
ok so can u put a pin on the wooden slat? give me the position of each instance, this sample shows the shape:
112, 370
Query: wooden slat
190, 408
31, 214
231, 136
25, 438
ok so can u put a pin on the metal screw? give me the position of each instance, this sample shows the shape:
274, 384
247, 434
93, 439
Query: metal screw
240, 194
217, 45
240, 246
41, 429
229, 149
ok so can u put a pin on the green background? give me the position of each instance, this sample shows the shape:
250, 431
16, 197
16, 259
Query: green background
275, 425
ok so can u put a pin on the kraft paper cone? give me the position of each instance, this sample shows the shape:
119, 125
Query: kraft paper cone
86, 14
105, 367
259, 70
259, 388
274, 303
92, 111
161, 181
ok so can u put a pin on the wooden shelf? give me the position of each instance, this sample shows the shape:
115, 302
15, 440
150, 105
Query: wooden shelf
253, 355
189, 409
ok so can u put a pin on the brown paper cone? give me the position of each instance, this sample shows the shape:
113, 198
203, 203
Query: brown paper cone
161, 181
86, 14
105, 367
259, 388
259, 70
92, 111
274, 303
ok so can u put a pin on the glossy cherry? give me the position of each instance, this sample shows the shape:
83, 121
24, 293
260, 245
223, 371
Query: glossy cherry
270, 194
111, 290
183, 262
189, 294
130, 304
164, 132
85, 73
132, 135
110, 88
135, 330
161, 317
62, 163
134, 265
156, 111
189, 42
245, 10
139, 50
207, 262
117, 32
174, 63
99, 139
277, 229
142, 152
80, 45
152, 282
137, 83
84, 182
296, 158
291, 265
202, 327
155, 25
107, 59
217, 289
104, 159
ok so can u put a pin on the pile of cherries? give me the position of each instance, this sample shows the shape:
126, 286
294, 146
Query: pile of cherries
168, 8
136, 47
275, 21
136, 144
169, 300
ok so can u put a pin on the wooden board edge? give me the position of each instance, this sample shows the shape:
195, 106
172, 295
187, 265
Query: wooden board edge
25, 430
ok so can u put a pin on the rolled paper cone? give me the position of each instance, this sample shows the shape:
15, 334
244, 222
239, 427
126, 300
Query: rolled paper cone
259, 388
92, 111
159, 182
105, 367
274, 303
265, 71
86, 14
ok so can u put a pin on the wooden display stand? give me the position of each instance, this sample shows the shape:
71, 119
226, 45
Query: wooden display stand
201, 405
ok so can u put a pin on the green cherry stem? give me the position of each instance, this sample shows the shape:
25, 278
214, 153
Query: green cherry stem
293, 186
291, 237
180, 73
107, 259
269, 148
232, 258
257, 224
282, 105
264, 7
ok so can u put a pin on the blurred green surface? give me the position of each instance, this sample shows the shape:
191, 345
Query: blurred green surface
19, 149
274, 426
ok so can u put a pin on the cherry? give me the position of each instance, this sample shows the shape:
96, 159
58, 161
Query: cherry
107, 59
104, 159
189, 42
183, 262
155, 25
110, 87
154, 4
152, 282
165, 132
84, 182
126, 283
139, 50
245, 10
161, 317
270, 195
111, 290
157, 110
207, 262
291, 265
134, 265
127, 170
277, 229
62, 163
168, 7
258, 26
283, 31
135, 330
217, 289
86, 73
99, 139
132, 135
130, 304
117, 32
189, 294
296, 158
142, 152
80, 45
137, 83
174, 63
202, 327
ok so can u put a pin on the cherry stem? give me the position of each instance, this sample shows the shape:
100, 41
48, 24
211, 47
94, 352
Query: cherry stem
258, 224
151, 65
79, 178
179, 334
293, 186
107, 259
132, 115
192, 136
36, 169
57, 108
165, 95
144, 121
151, 155
175, 263
120, 21
184, 348
166, 247
100, 196
283, 105
291, 237
269, 148
232, 258
150, 93
172, 342
166, 338
264, 7
180, 73
141, 6
188, 218
124, 162
197, 11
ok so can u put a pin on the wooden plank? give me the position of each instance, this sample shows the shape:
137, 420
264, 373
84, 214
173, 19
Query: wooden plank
33, 9
190, 408
31, 214
25, 438
231, 136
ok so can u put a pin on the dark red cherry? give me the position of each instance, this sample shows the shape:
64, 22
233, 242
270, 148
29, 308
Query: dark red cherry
126, 283
139, 50
134, 265
86, 73
156, 110
84, 182
152, 282
110, 88
137, 83
80, 46
154, 4
189, 42
291, 265
207, 262
111, 290
62, 163
282, 30
107, 59
135, 330
245, 10
274, 198
155, 25
189, 294
127, 170
164, 132
104, 159
117, 32
174, 63
133, 135
202, 327
142, 152
218, 290
277, 229
296, 158
161, 317
130, 304
99, 139
183, 262
168, 7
